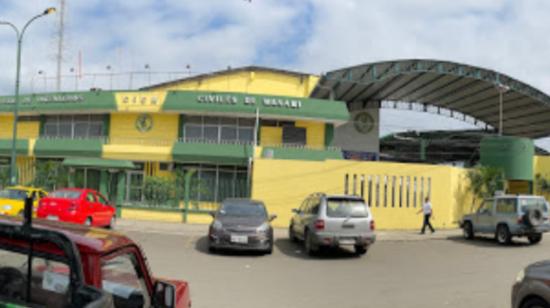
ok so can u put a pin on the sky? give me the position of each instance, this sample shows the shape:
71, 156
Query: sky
312, 36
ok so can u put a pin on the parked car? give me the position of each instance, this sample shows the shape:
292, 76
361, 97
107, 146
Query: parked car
80, 206
78, 266
507, 216
241, 224
531, 289
332, 221
12, 199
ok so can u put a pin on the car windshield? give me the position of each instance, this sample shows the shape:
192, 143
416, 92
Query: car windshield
66, 194
346, 208
533, 203
243, 209
14, 194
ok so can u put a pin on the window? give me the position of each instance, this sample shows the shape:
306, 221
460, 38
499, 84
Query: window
486, 207
49, 278
338, 207
218, 129
211, 183
73, 126
294, 135
506, 206
122, 277
90, 197
102, 199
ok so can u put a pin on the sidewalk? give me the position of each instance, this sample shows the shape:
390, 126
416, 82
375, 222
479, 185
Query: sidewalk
124, 225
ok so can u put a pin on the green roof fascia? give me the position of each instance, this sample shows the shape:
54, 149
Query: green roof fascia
62, 101
301, 154
98, 163
277, 106
68, 148
21, 147
227, 154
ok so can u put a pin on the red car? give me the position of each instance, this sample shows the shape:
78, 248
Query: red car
80, 206
78, 266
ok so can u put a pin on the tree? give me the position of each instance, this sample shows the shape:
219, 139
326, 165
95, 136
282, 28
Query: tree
50, 175
485, 182
542, 183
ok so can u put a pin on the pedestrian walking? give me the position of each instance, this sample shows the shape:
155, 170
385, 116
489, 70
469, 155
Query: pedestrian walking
427, 210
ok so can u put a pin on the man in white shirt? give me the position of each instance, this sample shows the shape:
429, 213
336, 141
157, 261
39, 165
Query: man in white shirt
427, 210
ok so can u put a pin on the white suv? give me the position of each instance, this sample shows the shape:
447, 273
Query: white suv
331, 221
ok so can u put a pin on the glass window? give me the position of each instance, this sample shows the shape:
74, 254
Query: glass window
66, 194
102, 199
49, 279
193, 132
90, 197
486, 207
65, 130
533, 203
228, 133
211, 133
211, 121
243, 122
346, 208
506, 206
13, 194
193, 120
50, 129
243, 209
73, 126
246, 134
228, 121
122, 277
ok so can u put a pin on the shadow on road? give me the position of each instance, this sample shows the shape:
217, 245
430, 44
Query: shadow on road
201, 245
297, 250
489, 242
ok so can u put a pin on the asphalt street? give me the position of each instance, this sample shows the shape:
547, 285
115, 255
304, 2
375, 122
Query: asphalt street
439, 272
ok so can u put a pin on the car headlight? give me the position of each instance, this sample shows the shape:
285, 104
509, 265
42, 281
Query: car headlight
263, 228
7, 207
217, 225
520, 276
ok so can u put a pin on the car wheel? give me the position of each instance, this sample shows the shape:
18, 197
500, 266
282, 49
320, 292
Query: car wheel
534, 238
291, 234
535, 302
360, 250
468, 230
88, 221
309, 245
503, 235
112, 222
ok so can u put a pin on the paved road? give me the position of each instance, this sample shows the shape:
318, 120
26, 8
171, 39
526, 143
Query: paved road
430, 273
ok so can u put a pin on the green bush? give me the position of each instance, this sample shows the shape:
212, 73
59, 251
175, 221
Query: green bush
159, 190
4, 176
485, 182
50, 175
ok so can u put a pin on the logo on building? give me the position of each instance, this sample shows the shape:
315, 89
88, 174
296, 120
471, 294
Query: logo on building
144, 123
363, 122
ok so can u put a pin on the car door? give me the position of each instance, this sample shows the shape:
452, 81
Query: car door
312, 209
104, 209
91, 208
484, 217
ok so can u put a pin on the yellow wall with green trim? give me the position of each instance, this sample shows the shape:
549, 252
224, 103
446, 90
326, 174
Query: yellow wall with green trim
284, 184
123, 129
254, 82
541, 166
166, 216
315, 134
25, 129
270, 135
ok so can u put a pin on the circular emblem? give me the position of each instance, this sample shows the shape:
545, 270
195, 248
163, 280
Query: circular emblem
363, 122
144, 123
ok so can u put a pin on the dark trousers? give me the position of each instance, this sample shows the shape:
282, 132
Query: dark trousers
427, 223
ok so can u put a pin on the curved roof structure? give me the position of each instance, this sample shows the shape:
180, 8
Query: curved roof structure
465, 91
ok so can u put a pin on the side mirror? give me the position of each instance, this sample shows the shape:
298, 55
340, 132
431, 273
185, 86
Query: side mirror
272, 217
296, 211
165, 295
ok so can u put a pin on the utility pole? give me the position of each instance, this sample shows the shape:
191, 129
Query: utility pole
60, 43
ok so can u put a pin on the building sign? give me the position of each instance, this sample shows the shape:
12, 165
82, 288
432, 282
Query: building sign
140, 101
69, 98
225, 99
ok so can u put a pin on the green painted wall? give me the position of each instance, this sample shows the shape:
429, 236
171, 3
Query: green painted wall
73, 101
21, 146
329, 134
68, 148
513, 154
230, 154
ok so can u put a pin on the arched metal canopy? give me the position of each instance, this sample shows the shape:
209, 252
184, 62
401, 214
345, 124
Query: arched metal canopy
468, 90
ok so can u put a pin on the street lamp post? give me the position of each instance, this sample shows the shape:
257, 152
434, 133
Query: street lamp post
13, 173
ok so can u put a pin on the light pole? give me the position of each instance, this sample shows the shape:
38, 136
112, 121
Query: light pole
501, 90
13, 173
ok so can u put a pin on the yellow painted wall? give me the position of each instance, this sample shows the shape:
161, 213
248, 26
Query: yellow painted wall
254, 82
315, 133
25, 169
284, 184
25, 130
126, 142
139, 214
270, 135
541, 165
